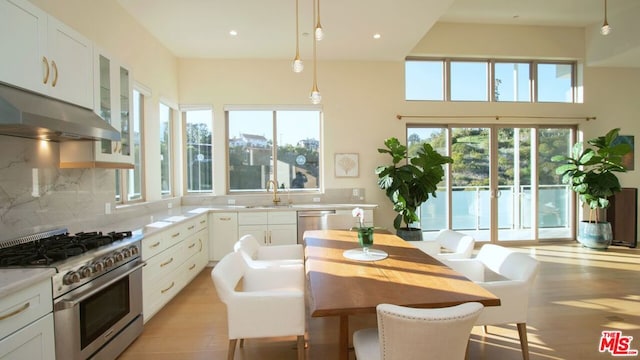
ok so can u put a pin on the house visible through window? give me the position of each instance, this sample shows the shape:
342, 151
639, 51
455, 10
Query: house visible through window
281, 145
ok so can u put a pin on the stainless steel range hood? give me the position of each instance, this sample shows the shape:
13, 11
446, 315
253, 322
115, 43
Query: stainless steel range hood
30, 115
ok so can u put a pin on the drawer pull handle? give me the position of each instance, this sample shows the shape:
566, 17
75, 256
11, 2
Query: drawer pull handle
175, 235
55, 76
167, 289
192, 245
166, 263
15, 312
203, 221
225, 219
191, 227
45, 61
155, 245
192, 266
200, 241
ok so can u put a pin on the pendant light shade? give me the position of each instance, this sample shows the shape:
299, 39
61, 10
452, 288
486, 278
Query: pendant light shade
318, 32
605, 29
315, 96
297, 66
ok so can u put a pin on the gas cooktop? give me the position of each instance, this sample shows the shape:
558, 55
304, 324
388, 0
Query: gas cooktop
58, 247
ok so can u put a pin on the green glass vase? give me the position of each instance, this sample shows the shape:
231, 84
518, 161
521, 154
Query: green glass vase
365, 238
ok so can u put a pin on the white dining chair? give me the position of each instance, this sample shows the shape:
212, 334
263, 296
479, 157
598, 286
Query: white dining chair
405, 333
448, 244
257, 255
267, 302
509, 275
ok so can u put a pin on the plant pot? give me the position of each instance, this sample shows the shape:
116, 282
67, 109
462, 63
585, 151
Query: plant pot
410, 234
595, 235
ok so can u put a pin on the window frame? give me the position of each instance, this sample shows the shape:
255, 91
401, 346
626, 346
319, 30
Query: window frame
170, 149
122, 174
533, 77
184, 109
274, 109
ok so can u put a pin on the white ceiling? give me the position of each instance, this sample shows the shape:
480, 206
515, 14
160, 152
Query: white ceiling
266, 28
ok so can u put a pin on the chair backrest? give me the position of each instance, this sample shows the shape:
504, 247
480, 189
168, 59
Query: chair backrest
408, 333
456, 242
508, 263
247, 245
226, 275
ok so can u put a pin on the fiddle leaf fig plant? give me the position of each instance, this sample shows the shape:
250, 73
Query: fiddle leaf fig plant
591, 171
411, 184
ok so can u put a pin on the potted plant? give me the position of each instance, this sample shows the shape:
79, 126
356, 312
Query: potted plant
591, 174
410, 184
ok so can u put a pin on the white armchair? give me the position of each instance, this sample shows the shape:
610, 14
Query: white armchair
270, 302
456, 245
405, 333
508, 275
260, 256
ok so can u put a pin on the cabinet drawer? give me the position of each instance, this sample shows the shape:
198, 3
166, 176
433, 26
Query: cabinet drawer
253, 218
162, 264
153, 245
201, 222
282, 217
25, 306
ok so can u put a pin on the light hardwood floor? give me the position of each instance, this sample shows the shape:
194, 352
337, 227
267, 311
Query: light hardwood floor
577, 294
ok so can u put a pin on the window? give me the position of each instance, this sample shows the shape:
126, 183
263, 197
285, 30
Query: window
267, 144
511, 81
198, 150
165, 149
555, 82
469, 81
490, 80
424, 80
130, 181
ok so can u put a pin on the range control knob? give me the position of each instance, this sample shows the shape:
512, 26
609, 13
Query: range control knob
119, 256
108, 262
126, 253
84, 271
70, 278
98, 267
134, 250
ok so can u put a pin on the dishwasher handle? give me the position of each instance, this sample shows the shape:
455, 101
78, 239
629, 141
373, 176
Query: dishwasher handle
315, 213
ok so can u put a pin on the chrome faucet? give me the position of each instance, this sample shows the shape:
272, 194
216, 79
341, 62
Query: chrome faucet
276, 199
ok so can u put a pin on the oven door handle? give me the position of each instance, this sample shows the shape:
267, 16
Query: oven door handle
67, 304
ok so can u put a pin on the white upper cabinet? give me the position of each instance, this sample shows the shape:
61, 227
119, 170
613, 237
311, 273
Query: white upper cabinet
113, 99
41, 54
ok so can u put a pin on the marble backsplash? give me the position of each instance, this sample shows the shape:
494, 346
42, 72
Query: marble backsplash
35, 195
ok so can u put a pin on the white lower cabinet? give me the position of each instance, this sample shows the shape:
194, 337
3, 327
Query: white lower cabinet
174, 257
34, 342
26, 324
223, 234
269, 227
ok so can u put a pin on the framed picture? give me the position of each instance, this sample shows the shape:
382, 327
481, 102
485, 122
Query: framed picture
627, 160
346, 165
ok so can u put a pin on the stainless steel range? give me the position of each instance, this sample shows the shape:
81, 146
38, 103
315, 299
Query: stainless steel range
97, 290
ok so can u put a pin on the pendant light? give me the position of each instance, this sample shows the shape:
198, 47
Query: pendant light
297, 64
605, 29
319, 32
315, 96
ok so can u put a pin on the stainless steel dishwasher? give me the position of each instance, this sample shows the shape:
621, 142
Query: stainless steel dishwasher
312, 220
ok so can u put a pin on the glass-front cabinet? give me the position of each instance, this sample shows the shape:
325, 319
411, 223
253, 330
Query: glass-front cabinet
113, 99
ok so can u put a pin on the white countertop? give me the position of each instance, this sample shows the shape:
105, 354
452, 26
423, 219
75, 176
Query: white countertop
12, 280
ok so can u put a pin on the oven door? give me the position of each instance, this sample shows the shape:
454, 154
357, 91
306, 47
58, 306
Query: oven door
91, 316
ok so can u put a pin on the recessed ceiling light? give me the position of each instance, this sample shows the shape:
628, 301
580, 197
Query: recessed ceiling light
233, 33
376, 36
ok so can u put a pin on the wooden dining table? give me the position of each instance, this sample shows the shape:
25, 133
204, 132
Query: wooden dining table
340, 286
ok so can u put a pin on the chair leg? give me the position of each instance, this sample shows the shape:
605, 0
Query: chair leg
524, 344
232, 349
301, 347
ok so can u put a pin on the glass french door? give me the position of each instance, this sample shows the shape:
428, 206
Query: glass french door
502, 184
